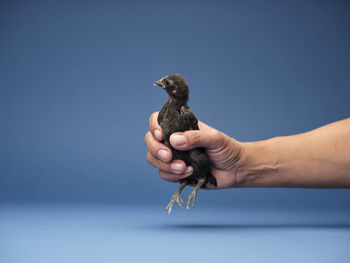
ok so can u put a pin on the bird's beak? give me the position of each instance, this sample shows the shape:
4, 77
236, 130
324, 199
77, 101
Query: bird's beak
160, 83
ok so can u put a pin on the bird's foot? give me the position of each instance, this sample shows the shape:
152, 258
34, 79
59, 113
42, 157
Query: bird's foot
194, 193
176, 197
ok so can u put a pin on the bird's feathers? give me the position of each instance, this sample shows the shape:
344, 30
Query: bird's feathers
176, 116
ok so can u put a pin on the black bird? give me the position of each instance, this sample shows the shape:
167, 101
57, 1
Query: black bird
176, 116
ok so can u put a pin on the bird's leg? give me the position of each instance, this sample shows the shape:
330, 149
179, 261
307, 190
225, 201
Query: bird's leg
176, 197
193, 194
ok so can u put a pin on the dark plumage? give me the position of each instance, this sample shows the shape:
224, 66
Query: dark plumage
176, 116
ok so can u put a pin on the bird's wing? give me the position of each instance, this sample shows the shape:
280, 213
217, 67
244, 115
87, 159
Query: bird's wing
162, 113
188, 116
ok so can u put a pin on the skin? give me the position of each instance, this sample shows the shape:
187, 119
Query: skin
316, 159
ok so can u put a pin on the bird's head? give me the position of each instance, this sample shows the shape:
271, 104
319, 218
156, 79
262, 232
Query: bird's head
176, 86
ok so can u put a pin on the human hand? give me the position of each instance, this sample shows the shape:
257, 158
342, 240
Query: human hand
223, 151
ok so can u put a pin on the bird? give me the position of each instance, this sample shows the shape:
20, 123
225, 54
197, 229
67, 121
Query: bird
176, 116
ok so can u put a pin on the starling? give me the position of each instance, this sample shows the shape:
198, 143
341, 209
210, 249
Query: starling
176, 116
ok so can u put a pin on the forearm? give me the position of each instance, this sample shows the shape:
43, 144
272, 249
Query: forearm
319, 158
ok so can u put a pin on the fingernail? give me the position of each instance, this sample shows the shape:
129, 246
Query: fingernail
163, 154
177, 167
179, 140
157, 134
189, 169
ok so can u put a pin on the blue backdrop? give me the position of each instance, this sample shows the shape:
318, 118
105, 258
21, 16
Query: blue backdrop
76, 90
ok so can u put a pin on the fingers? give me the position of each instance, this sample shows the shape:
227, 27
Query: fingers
160, 156
157, 149
177, 168
206, 137
173, 171
168, 176
155, 127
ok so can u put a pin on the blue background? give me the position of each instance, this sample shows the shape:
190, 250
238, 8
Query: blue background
76, 93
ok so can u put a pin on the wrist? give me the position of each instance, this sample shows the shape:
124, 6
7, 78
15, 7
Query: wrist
258, 165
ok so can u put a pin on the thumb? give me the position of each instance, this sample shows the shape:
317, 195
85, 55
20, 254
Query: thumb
188, 140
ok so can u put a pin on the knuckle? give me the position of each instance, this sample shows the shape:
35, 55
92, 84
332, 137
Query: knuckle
152, 160
162, 175
194, 139
149, 158
153, 114
216, 138
147, 137
152, 119
215, 133
167, 176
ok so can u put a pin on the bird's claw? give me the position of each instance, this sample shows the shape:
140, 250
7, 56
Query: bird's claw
176, 197
193, 194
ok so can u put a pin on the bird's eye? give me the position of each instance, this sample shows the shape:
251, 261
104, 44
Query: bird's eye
167, 82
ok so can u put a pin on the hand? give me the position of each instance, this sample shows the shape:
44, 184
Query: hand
223, 151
